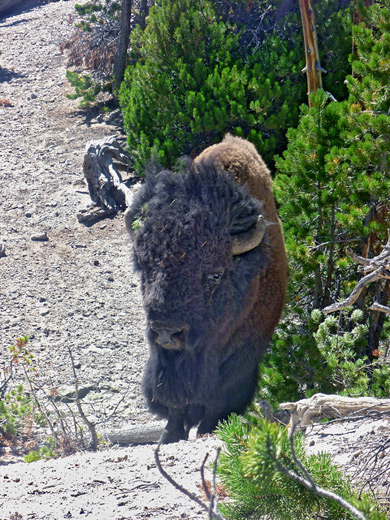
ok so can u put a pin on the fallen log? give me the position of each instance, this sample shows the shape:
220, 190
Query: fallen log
321, 406
145, 434
105, 185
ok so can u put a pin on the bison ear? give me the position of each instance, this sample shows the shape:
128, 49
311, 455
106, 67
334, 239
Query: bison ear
249, 239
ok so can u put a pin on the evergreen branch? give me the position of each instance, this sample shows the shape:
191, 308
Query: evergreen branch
309, 483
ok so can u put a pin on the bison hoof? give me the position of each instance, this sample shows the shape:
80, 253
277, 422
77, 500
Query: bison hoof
168, 437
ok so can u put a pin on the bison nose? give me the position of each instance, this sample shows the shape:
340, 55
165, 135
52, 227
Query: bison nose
173, 338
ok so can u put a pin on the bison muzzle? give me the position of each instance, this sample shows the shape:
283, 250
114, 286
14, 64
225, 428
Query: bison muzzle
210, 252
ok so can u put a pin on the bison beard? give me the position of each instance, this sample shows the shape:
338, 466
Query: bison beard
213, 269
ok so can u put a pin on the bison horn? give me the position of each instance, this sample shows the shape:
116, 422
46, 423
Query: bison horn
250, 239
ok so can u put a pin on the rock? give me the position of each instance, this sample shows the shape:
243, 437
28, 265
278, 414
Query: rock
40, 237
67, 394
2, 249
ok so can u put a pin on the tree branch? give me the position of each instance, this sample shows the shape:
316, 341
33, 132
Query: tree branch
212, 508
369, 278
309, 483
90, 426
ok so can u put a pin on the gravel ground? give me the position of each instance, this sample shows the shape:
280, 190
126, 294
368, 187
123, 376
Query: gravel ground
76, 290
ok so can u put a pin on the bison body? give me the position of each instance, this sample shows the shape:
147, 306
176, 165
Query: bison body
210, 252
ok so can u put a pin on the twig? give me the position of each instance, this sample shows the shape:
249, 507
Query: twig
41, 409
90, 426
213, 512
6, 380
374, 269
213, 501
204, 483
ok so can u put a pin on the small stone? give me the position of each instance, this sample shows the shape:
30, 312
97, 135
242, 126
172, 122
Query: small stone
40, 237
96, 263
2, 249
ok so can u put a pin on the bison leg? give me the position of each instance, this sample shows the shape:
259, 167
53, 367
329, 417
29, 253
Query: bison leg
174, 430
234, 395
209, 423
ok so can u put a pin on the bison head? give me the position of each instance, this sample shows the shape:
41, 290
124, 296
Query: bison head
195, 244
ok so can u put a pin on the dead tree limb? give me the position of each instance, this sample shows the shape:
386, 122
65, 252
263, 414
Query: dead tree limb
313, 68
320, 406
381, 308
145, 434
212, 509
105, 184
374, 269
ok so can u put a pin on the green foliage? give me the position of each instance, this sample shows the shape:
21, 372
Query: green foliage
312, 354
46, 452
17, 408
332, 187
250, 468
85, 88
175, 99
14, 409
193, 79
108, 10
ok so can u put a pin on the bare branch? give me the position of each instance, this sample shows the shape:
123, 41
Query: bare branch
369, 278
213, 511
381, 308
358, 259
90, 426
204, 483
309, 483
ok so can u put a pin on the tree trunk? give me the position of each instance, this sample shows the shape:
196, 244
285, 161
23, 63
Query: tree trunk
123, 43
313, 68
144, 11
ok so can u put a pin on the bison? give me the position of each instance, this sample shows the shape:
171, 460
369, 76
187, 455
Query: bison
209, 248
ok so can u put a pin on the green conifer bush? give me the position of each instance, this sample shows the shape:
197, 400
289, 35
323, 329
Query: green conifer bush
197, 74
189, 85
332, 185
259, 469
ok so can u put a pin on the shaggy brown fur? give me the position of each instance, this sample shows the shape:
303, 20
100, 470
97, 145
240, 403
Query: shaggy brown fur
240, 158
211, 308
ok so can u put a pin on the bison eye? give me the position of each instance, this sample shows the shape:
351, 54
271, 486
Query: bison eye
214, 277
211, 280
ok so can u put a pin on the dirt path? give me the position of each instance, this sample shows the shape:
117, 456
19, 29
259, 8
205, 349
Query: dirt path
76, 290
